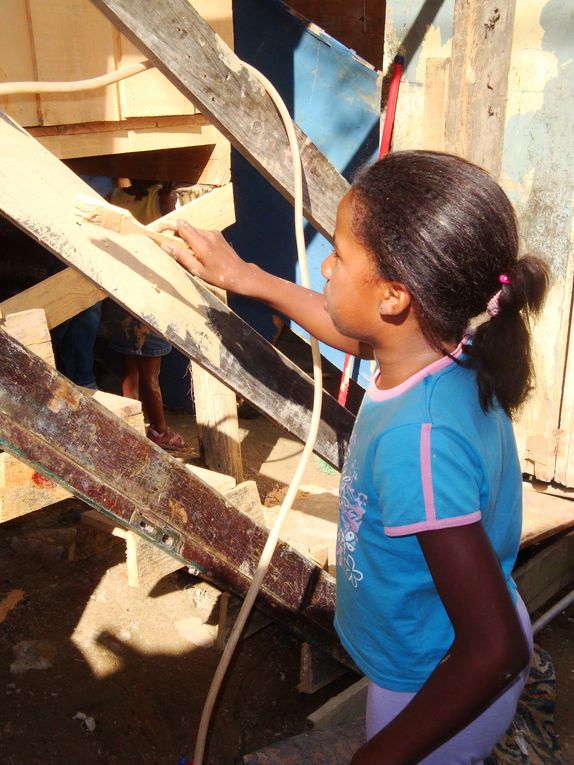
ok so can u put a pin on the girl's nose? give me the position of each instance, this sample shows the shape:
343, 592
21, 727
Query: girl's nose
326, 268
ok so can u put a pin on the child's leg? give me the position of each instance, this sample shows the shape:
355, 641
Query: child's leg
150, 392
130, 376
475, 742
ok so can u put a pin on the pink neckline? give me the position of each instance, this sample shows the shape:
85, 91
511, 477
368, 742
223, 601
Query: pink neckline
382, 395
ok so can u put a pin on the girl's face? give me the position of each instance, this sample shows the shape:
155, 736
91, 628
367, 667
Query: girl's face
353, 289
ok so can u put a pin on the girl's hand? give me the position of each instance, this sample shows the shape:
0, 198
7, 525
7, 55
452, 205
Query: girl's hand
211, 257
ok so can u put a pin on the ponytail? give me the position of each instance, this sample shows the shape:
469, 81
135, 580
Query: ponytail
446, 230
501, 348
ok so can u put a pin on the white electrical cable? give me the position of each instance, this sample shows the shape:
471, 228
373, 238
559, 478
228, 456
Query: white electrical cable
273, 537
271, 543
18, 88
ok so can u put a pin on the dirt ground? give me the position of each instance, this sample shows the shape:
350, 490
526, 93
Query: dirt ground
93, 671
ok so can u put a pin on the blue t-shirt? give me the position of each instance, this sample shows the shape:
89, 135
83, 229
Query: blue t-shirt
422, 456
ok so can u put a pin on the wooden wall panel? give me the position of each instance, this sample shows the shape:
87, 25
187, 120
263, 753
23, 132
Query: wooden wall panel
148, 93
17, 60
73, 41
358, 24
67, 40
535, 167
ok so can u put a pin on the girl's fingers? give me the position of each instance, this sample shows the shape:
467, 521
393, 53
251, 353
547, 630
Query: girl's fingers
165, 226
183, 256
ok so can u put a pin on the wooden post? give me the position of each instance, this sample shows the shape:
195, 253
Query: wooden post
478, 87
216, 418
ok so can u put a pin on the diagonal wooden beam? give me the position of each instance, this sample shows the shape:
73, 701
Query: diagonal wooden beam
37, 193
52, 425
68, 292
190, 54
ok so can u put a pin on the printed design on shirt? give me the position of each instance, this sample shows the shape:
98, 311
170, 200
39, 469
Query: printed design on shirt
352, 507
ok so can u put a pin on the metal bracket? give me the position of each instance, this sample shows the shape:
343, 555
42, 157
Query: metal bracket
160, 533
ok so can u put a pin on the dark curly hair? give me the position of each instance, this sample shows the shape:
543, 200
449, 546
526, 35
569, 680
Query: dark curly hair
445, 229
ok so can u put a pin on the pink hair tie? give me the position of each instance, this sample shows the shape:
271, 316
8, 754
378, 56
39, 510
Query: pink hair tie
493, 306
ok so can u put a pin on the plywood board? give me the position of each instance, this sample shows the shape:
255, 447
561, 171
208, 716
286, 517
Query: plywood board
17, 60
73, 41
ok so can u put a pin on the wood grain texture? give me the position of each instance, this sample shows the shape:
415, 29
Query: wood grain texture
189, 53
55, 427
68, 292
37, 193
478, 87
62, 296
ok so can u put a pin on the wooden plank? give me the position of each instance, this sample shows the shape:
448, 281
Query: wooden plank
17, 62
61, 296
346, 707
478, 87
229, 607
184, 47
87, 140
245, 497
193, 124
37, 193
152, 93
311, 524
24, 489
223, 483
31, 329
56, 428
317, 669
72, 41
216, 418
547, 573
147, 564
544, 516
68, 292
435, 103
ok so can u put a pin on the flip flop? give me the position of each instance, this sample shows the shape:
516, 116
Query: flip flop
168, 440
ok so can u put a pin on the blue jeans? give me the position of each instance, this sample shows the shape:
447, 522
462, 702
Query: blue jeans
74, 346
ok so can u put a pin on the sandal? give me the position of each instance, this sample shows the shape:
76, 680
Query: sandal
168, 440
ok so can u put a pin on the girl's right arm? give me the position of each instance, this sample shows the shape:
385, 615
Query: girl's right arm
216, 262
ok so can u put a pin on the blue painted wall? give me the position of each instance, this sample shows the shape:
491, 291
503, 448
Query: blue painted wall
335, 99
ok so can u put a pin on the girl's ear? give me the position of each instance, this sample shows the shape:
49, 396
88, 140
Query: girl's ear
395, 298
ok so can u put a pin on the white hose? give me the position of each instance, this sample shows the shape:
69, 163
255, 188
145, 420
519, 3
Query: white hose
273, 537
18, 88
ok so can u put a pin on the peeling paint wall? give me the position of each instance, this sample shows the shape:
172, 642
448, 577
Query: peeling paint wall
537, 174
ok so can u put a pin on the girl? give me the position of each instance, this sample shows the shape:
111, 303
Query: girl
430, 499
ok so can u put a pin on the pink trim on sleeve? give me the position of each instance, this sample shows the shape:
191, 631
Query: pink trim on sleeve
430, 523
446, 523
426, 472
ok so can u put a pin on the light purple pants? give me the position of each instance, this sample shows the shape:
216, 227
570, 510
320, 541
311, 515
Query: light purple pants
475, 742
